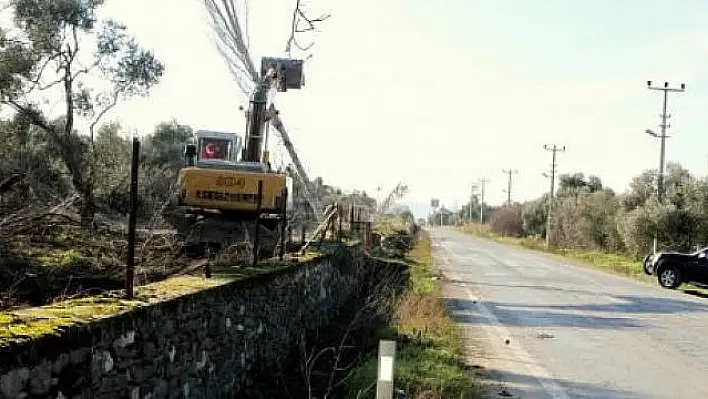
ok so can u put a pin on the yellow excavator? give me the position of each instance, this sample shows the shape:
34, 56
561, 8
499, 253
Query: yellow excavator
222, 199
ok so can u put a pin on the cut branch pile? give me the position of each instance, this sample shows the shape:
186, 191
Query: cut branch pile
397, 245
47, 255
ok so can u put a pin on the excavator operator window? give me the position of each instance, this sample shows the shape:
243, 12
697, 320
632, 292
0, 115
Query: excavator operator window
215, 149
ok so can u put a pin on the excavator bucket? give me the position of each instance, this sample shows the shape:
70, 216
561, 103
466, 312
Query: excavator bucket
290, 71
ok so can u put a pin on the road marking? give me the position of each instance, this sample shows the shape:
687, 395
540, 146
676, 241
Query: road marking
539, 373
495, 330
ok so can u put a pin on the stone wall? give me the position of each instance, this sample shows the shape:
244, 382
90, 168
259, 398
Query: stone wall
209, 344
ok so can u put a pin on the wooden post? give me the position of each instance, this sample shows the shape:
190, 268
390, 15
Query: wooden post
387, 356
283, 221
351, 219
324, 233
256, 239
339, 217
132, 221
367, 237
210, 258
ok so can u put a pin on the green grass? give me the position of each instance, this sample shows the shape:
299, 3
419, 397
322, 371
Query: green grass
61, 258
429, 357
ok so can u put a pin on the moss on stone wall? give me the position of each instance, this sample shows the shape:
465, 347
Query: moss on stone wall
32, 322
183, 337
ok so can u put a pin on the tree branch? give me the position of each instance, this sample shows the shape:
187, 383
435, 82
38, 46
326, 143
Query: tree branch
104, 111
69, 82
36, 82
34, 116
86, 70
298, 17
310, 22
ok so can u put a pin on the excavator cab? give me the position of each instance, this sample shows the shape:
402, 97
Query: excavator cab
210, 148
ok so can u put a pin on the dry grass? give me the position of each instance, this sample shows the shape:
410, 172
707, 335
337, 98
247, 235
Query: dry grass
429, 361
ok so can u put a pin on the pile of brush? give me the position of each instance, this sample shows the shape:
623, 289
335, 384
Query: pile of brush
48, 254
397, 244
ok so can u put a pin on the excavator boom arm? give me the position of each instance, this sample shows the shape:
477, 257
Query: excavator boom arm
301, 174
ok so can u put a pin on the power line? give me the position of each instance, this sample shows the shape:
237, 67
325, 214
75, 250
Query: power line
509, 172
554, 149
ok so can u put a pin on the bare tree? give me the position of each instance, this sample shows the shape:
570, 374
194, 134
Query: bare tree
229, 20
301, 23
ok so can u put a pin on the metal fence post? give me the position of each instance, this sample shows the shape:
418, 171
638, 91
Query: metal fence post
132, 221
387, 356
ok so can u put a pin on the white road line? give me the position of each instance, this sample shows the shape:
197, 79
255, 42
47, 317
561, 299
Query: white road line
539, 373
496, 330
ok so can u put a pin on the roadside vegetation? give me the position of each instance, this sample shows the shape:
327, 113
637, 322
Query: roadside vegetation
591, 218
429, 357
593, 225
614, 263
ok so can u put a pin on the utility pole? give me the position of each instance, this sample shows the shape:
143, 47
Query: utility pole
664, 117
508, 190
473, 189
483, 183
662, 136
555, 149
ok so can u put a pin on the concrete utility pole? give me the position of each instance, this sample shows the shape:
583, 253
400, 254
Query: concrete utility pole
555, 149
473, 189
508, 190
483, 183
664, 117
662, 136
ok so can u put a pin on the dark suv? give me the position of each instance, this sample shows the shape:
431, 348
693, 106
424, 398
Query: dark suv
674, 268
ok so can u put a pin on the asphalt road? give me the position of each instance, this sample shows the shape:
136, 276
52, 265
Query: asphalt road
572, 332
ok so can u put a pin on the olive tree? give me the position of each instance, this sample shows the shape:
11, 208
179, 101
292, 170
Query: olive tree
46, 52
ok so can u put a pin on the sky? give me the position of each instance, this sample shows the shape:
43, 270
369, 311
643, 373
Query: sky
439, 94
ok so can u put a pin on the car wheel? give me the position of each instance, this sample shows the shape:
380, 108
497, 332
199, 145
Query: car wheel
646, 262
669, 277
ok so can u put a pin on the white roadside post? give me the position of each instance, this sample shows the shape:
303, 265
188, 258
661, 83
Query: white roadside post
387, 355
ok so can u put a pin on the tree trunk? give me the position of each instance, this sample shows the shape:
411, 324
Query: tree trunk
88, 205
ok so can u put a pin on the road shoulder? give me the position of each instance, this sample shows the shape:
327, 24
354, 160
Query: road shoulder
501, 365
480, 355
